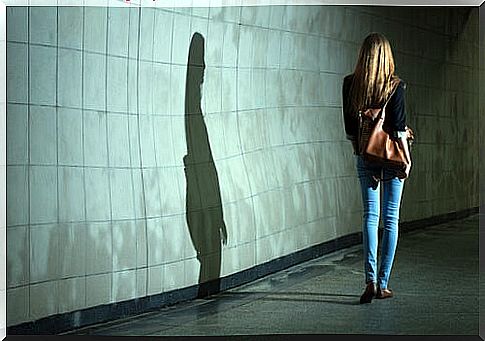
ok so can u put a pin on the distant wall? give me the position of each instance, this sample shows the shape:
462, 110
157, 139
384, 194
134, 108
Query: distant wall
101, 207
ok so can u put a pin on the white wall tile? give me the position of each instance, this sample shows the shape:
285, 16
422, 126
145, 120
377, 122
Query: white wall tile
178, 89
161, 92
118, 19
43, 194
152, 192
118, 143
141, 241
274, 47
181, 39
231, 44
69, 78
99, 239
214, 44
117, 99
235, 167
124, 245
174, 231
71, 194
138, 194
245, 95
132, 97
215, 134
17, 23
179, 139
145, 88
259, 48
229, 122
94, 81
155, 241
252, 127
72, 250
211, 90
141, 282
245, 46
95, 143
72, 294
70, 26
162, 131
44, 252
17, 72
97, 194
98, 289
147, 141
133, 49
192, 269
147, 18
95, 24
229, 86
17, 195
17, 256
43, 73
70, 139
43, 135
173, 276
170, 199
134, 141
124, 285
121, 194
155, 280
17, 128
18, 312
257, 174
162, 37
43, 25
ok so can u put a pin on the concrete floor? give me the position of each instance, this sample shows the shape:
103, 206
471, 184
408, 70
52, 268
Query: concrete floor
435, 280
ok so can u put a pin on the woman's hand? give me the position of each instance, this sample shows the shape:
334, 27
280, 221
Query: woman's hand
407, 170
405, 146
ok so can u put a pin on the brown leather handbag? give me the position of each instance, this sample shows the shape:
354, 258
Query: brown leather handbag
377, 146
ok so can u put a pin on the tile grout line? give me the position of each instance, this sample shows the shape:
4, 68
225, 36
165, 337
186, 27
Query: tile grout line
128, 102
29, 167
84, 162
57, 143
144, 218
108, 149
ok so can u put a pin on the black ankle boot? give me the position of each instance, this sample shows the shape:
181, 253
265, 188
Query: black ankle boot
369, 293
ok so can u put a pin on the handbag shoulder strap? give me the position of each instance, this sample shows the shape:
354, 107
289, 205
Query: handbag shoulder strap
388, 99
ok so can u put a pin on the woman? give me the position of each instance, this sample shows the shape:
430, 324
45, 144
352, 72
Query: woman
372, 83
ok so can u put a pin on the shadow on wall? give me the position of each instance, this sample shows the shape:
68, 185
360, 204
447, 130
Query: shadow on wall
203, 200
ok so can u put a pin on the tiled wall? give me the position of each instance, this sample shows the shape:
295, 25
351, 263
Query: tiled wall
96, 139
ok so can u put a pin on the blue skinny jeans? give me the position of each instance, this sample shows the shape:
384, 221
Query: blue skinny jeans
391, 202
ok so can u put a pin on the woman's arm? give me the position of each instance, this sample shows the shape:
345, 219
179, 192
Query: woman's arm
403, 142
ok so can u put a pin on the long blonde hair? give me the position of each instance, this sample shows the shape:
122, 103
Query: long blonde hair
374, 77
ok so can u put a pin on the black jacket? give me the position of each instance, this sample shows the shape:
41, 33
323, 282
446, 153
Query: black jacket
395, 120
